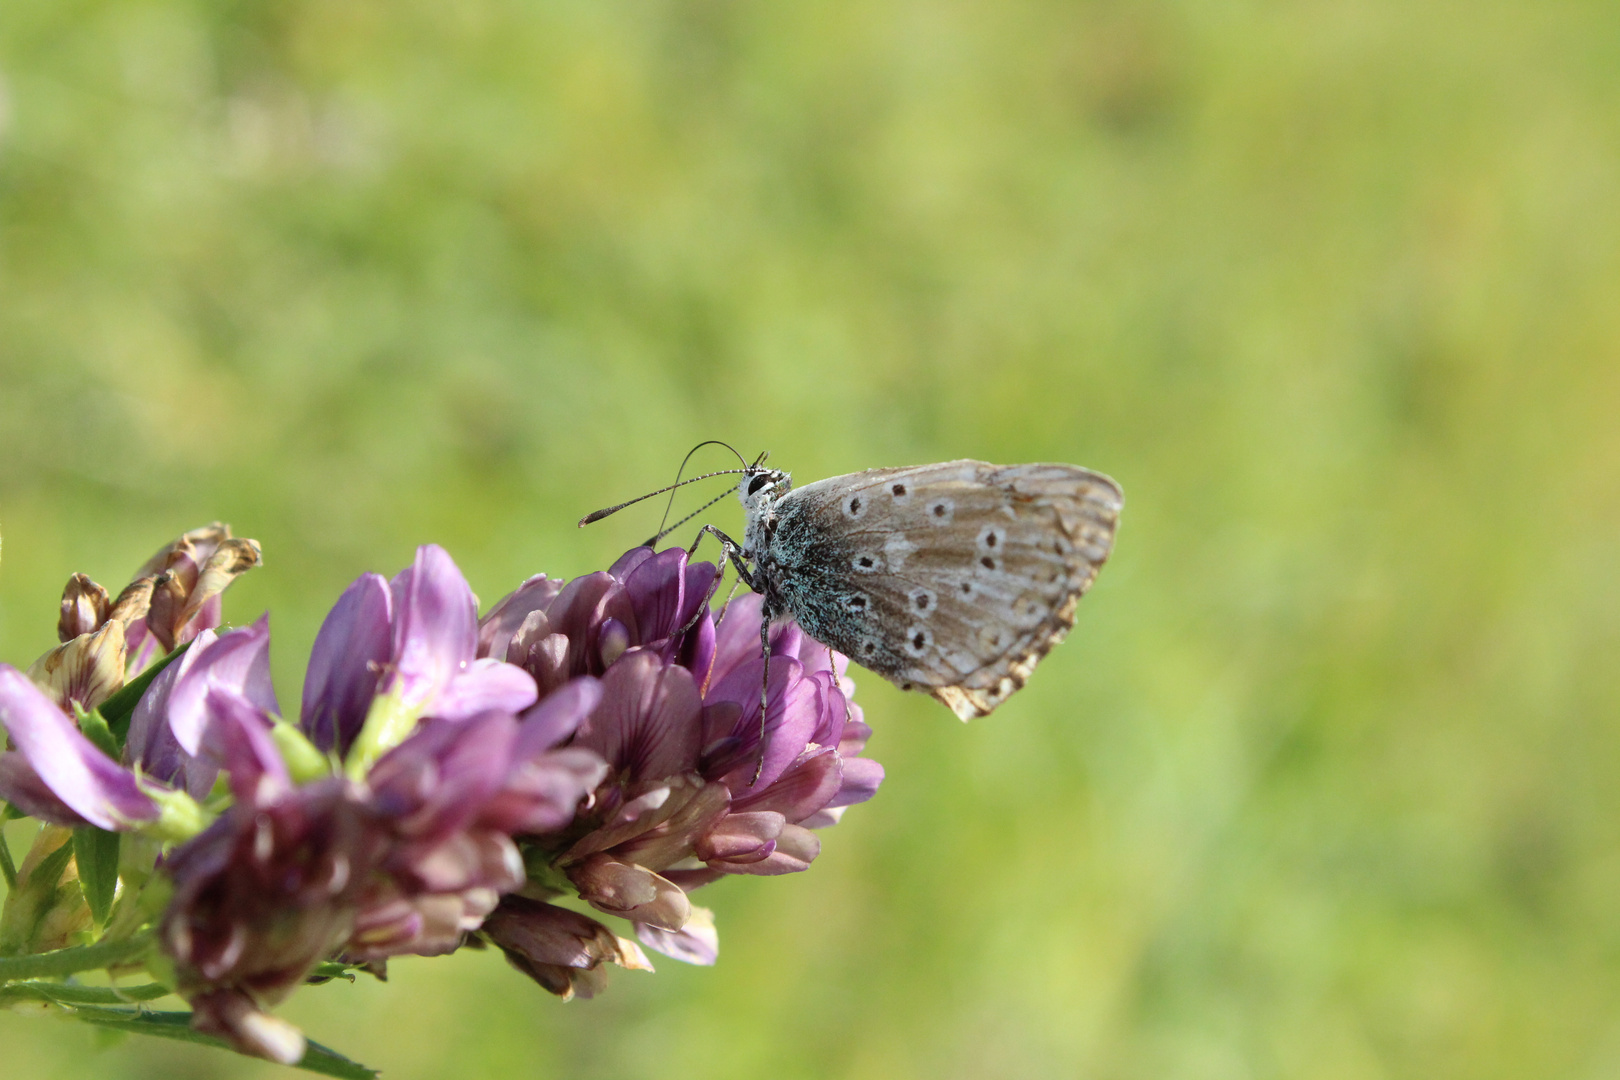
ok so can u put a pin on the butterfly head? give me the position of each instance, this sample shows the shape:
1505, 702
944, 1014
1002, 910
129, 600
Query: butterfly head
760, 488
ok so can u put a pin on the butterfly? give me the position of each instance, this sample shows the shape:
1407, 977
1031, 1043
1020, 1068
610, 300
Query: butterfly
954, 578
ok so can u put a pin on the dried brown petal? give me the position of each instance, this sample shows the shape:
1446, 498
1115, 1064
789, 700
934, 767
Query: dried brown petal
84, 608
89, 669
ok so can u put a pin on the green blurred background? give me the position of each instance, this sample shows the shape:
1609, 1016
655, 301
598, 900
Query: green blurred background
1323, 784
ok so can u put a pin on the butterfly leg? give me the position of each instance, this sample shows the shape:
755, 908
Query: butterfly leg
832, 666
731, 552
765, 616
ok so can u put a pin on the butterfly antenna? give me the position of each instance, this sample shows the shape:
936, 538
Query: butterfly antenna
684, 460
661, 533
611, 510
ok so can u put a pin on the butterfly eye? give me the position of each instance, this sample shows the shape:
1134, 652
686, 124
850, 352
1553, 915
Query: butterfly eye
758, 482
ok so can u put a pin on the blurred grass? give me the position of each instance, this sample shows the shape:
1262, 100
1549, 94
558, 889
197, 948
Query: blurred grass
1322, 786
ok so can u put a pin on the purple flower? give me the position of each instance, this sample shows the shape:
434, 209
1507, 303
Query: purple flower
56, 773
680, 729
556, 631
59, 775
408, 861
446, 775
392, 652
406, 852
261, 896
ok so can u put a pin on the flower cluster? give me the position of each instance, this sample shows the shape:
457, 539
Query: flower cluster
447, 780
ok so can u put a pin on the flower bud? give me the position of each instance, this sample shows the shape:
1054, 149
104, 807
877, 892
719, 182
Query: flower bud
84, 608
631, 891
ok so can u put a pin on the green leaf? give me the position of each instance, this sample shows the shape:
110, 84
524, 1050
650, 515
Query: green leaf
330, 969
94, 727
177, 1025
117, 709
96, 852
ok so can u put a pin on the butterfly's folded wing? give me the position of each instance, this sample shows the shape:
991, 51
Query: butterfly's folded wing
957, 577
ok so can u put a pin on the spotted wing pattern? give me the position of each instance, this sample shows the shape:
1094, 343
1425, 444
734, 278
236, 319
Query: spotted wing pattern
955, 578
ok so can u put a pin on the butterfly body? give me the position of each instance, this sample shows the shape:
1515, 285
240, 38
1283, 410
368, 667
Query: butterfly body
955, 578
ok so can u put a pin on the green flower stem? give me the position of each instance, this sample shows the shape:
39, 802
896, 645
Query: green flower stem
68, 961
64, 994
7, 867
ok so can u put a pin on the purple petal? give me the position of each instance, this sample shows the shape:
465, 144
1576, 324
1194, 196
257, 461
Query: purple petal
627, 563
349, 657
736, 636
580, 611
461, 861
95, 786
648, 724
697, 651
792, 715
238, 741
141, 647
21, 786
557, 716
861, 779
151, 745
208, 617
834, 712
809, 785
745, 837
695, 943
543, 794
438, 780
630, 891
435, 626
697, 814
562, 950
613, 638
486, 685
496, 629
657, 589
795, 849
238, 661
857, 733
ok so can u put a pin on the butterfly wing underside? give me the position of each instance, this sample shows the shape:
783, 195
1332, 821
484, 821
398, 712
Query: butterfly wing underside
954, 578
